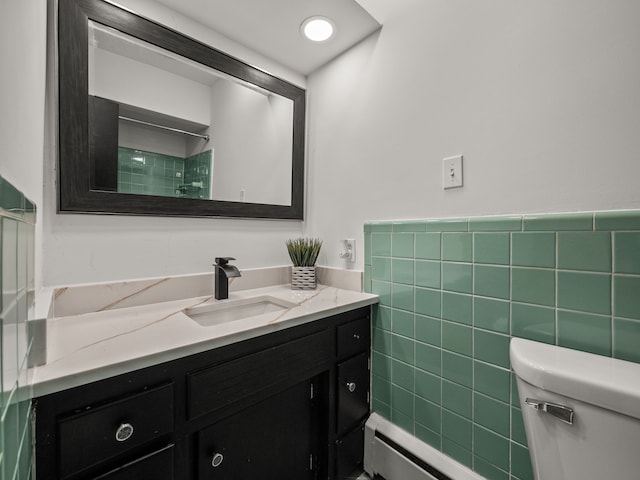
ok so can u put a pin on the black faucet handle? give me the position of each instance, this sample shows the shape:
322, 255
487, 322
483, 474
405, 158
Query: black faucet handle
222, 261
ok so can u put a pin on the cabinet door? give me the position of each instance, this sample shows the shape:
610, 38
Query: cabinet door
353, 392
349, 453
272, 439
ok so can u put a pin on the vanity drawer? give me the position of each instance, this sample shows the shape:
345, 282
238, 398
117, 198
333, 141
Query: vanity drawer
155, 466
107, 431
353, 392
221, 386
353, 337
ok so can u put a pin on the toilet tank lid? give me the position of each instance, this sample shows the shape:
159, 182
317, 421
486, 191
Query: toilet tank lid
606, 382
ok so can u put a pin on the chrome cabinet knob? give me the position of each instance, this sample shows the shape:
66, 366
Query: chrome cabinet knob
124, 432
351, 386
217, 460
356, 336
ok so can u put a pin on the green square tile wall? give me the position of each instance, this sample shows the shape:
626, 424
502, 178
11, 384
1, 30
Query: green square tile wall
198, 170
17, 230
453, 292
150, 173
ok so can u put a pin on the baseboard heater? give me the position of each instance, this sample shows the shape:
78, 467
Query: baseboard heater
391, 453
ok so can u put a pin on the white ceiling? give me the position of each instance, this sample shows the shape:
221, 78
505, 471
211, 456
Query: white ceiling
272, 27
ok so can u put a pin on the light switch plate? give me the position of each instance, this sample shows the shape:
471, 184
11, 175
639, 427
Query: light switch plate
452, 172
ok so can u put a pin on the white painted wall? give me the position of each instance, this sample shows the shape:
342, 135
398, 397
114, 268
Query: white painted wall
542, 99
91, 248
22, 87
150, 139
384, 10
167, 17
128, 81
251, 132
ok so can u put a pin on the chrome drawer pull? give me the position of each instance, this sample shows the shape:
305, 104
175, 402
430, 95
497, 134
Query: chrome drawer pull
124, 432
561, 412
351, 386
356, 336
217, 460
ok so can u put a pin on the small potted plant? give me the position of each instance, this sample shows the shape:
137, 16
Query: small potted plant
304, 253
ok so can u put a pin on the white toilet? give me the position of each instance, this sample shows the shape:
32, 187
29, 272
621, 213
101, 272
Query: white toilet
581, 412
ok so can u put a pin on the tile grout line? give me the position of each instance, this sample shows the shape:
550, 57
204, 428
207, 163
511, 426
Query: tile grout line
612, 293
556, 254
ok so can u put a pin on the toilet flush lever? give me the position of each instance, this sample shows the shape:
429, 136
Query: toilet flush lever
561, 412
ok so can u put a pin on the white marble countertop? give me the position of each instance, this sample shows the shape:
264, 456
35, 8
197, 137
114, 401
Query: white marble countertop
92, 346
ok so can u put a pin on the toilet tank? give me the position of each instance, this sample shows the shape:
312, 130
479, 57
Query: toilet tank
601, 439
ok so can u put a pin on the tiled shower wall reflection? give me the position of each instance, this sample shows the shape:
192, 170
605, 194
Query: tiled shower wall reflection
453, 293
149, 173
198, 175
17, 220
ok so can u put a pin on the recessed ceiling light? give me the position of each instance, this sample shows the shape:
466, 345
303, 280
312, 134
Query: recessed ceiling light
317, 29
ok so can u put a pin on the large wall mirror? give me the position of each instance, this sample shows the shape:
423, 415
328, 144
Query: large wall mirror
156, 123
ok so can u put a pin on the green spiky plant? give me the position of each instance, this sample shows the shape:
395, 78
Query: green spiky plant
304, 251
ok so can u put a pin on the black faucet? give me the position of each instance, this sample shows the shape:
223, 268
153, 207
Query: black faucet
224, 271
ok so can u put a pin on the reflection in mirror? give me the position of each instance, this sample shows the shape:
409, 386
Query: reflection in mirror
152, 122
167, 126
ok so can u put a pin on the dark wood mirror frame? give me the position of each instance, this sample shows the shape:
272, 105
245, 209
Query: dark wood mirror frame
75, 171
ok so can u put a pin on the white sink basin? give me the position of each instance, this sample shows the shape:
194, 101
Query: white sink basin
232, 310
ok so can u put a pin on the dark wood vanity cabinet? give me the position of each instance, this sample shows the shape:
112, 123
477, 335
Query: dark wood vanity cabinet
286, 405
